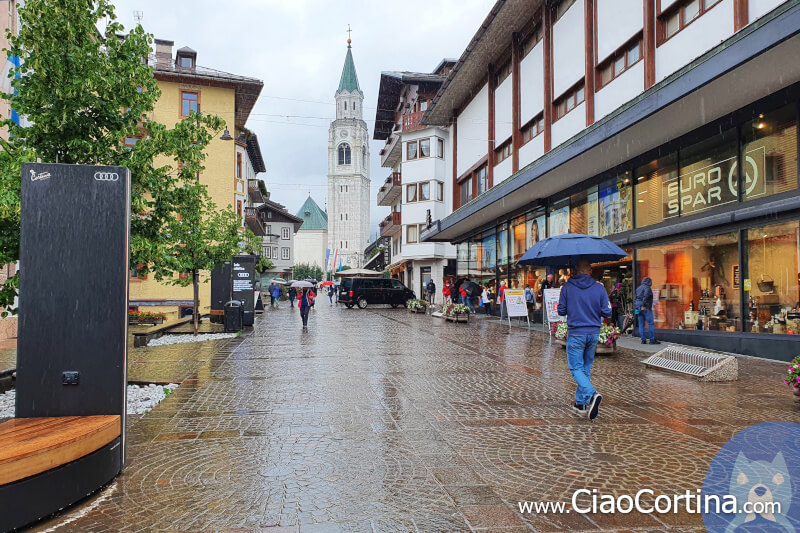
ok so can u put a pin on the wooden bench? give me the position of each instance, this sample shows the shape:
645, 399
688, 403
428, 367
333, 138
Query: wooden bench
30, 446
141, 338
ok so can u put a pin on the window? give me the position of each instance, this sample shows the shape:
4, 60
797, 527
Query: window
269, 229
465, 189
770, 153
680, 15
561, 8
412, 233
532, 128
185, 62
423, 105
131, 141
411, 193
440, 148
439, 191
530, 42
274, 252
424, 147
344, 154
190, 102
503, 152
285, 234
482, 179
269, 214
504, 72
267, 252
424, 191
239, 207
239, 165
285, 253
411, 150
345, 105
619, 62
568, 101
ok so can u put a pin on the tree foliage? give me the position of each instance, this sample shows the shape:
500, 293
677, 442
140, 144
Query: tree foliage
307, 271
83, 90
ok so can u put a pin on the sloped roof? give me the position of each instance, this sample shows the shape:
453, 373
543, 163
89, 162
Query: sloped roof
349, 80
314, 218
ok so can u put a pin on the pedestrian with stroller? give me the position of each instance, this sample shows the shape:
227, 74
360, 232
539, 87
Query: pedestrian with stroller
585, 303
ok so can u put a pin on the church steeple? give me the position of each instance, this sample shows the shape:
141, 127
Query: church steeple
349, 79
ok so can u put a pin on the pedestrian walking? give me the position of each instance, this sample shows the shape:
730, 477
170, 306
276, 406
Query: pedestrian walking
643, 307
276, 294
430, 289
446, 292
486, 300
584, 302
616, 298
292, 296
305, 302
271, 296
530, 299
330, 294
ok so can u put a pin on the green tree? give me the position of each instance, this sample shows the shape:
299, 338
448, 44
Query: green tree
83, 91
307, 271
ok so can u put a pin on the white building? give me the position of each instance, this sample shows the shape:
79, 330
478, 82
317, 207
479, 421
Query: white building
418, 188
311, 241
348, 171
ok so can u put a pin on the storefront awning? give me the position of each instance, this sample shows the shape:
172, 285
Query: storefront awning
705, 90
396, 266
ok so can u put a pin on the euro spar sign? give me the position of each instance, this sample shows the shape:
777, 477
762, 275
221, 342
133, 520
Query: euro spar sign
714, 185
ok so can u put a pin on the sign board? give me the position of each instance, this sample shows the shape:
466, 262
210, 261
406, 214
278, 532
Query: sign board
243, 274
220, 290
551, 297
514, 303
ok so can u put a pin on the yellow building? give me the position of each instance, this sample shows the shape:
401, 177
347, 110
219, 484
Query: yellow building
186, 87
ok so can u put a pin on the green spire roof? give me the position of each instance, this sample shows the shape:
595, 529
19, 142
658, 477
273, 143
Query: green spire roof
313, 217
349, 81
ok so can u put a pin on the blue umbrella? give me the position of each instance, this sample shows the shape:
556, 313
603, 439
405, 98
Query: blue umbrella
568, 249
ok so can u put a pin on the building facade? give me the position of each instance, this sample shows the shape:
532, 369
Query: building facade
668, 127
418, 188
311, 241
185, 87
280, 227
348, 170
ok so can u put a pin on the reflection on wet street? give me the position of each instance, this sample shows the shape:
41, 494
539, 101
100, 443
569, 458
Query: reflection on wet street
383, 420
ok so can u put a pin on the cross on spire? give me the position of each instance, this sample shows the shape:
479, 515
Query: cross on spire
349, 31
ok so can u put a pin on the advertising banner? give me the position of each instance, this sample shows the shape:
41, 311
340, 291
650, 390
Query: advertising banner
551, 297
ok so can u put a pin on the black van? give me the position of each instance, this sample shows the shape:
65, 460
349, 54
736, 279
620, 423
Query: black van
364, 291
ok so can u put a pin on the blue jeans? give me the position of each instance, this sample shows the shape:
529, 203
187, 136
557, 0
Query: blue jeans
646, 316
580, 357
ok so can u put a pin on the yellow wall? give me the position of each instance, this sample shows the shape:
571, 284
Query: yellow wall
218, 176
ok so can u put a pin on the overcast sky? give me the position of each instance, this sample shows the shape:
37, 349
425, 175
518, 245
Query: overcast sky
297, 47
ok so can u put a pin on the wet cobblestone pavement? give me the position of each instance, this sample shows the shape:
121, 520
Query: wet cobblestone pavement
383, 420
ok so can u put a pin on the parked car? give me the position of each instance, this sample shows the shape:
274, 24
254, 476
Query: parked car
365, 291
344, 288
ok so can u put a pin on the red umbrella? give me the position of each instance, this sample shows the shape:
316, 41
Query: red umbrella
325, 283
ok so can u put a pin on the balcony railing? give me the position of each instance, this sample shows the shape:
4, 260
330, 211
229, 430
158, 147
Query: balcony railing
253, 221
391, 224
411, 121
254, 192
390, 190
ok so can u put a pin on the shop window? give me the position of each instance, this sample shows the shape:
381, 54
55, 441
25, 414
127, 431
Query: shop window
619, 62
569, 101
770, 153
424, 147
439, 191
465, 190
533, 128
579, 213
559, 218
411, 150
651, 180
772, 271
695, 282
615, 205
482, 179
537, 228
424, 191
411, 193
707, 177
502, 245
190, 102
503, 152
486, 252
680, 15
519, 238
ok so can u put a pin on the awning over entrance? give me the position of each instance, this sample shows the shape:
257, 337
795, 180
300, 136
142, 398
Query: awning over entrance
703, 91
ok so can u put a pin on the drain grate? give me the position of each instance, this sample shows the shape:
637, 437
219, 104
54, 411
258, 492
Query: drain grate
707, 366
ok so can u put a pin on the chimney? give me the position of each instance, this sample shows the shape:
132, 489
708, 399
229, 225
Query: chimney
164, 53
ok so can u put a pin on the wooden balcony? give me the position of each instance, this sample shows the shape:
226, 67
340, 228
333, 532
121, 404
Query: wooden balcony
254, 192
254, 222
390, 153
391, 224
390, 190
412, 122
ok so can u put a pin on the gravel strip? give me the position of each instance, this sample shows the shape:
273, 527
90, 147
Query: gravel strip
140, 399
179, 339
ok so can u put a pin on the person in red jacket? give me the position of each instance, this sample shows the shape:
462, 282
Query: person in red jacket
305, 301
446, 290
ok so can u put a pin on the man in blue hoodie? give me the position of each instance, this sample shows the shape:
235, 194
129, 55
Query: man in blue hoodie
643, 305
584, 302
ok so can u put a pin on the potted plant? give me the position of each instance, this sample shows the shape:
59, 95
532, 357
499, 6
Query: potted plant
145, 317
793, 376
456, 312
559, 331
417, 305
607, 341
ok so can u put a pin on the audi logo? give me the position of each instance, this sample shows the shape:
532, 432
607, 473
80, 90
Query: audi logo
106, 176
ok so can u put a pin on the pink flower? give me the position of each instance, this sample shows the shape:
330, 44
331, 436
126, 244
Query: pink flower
785, 382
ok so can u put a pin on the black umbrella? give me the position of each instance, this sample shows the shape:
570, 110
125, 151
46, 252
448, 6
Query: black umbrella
472, 288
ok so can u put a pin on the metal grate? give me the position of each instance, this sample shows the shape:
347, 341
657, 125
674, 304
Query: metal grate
685, 360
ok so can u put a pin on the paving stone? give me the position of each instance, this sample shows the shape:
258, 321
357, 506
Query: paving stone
379, 420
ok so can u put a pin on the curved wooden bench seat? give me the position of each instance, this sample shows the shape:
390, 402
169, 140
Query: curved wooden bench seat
30, 446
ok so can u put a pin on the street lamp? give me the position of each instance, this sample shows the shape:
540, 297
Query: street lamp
226, 135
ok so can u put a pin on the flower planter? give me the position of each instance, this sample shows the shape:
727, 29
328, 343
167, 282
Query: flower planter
416, 310
796, 390
601, 348
457, 318
137, 322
